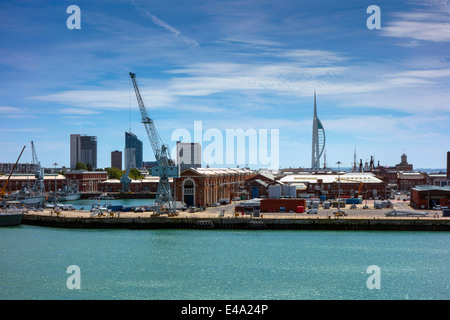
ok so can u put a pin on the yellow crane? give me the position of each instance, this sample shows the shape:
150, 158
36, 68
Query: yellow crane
2, 193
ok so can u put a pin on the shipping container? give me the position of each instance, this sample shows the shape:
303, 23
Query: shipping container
353, 201
287, 205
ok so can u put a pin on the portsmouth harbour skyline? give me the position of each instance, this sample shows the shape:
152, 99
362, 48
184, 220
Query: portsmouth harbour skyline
235, 65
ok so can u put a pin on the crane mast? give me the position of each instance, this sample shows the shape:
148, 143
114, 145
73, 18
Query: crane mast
39, 173
165, 168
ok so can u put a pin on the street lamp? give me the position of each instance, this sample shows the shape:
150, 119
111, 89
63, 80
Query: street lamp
339, 186
55, 164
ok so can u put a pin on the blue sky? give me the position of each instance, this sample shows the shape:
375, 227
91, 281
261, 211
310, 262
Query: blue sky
232, 65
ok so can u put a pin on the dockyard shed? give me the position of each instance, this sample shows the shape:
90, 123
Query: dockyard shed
426, 197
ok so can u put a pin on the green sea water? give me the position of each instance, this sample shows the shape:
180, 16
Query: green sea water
222, 264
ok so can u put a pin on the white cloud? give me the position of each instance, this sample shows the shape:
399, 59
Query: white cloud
77, 111
424, 26
192, 43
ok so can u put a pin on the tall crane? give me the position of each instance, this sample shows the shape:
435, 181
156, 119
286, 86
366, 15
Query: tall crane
166, 168
39, 173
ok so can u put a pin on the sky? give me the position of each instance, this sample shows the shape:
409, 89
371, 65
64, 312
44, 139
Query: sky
228, 65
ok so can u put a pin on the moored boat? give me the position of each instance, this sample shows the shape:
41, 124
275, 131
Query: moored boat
11, 217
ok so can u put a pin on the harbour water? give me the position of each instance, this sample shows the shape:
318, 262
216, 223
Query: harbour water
222, 264
86, 204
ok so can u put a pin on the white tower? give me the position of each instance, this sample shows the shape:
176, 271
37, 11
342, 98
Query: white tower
318, 139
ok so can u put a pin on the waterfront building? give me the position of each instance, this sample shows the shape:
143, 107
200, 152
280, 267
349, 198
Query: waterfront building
147, 185
88, 181
19, 181
205, 186
353, 185
258, 185
83, 149
426, 197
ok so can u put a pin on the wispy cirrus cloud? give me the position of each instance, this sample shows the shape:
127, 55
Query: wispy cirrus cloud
430, 25
192, 43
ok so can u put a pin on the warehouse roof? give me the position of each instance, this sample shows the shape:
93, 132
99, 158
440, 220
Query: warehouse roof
220, 171
429, 188
32, 177
353, 177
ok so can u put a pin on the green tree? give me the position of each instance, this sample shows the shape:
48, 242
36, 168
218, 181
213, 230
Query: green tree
135, 174
114, 173
80, 166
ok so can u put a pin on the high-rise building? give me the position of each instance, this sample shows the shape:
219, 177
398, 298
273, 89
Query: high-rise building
132, 142
130, 158
189, 155
116, 159
448, 165
83, 149
318, 139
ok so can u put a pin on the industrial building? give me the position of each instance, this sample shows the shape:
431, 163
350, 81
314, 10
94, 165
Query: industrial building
353, 185
148, 185
205, 186
88, 181
258, 185
83, 149
17, 182
427, 197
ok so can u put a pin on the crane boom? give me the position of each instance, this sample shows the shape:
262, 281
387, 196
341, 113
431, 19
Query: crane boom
2, 192
159, 149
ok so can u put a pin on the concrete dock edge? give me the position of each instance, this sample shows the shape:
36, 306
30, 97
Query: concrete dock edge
391, 224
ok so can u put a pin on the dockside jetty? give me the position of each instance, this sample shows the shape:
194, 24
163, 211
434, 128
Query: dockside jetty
248, 223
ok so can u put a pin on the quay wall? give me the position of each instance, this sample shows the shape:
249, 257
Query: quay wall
392, 224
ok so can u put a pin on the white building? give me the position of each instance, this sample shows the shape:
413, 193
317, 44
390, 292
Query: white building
189, 155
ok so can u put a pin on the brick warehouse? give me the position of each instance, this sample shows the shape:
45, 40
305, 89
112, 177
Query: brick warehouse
426, 197
205, 186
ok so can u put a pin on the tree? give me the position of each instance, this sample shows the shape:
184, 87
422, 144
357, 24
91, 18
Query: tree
114, 173
135, 174
80, 166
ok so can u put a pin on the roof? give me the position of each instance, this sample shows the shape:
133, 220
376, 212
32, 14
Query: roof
411, 175
220, 171
429, 188
354, 177
32, 177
